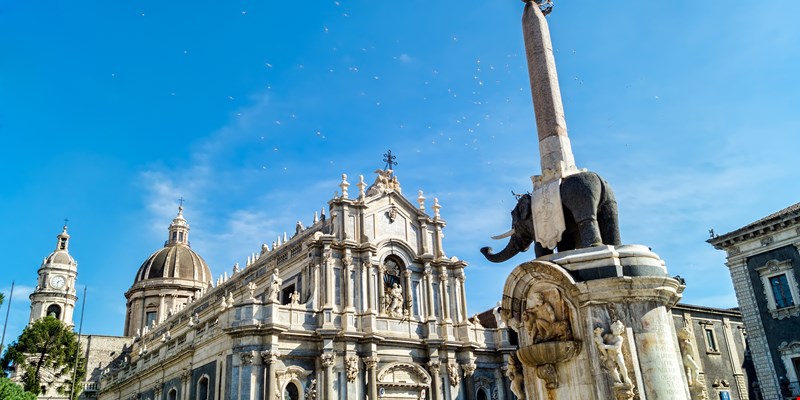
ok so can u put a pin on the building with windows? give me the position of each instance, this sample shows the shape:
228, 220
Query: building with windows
764, 262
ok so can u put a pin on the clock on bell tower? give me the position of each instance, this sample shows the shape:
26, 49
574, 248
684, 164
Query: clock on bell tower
55, 293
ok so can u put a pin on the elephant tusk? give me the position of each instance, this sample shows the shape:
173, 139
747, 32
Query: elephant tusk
504, 235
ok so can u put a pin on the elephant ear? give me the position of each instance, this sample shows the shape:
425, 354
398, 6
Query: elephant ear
525, 207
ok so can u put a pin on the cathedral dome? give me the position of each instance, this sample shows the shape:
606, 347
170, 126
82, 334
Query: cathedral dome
175, 260
59, 257
178, 262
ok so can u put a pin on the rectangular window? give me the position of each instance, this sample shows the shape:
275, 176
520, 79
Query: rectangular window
724, 395
796, 364
337, 286
150, 317
781, 292
711, 340
286, 296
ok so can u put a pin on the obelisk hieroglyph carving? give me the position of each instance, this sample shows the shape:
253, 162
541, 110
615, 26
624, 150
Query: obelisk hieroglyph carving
554, 147
555, 150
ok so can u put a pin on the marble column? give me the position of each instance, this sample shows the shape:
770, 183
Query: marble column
409, 297
366, 266
372, 377
269, 357
443, 281
500, 383
349, 284
469, 383
431, 312
381, 289
315, 295
185, 379
329, 280
463, 295
436, 380
328, 359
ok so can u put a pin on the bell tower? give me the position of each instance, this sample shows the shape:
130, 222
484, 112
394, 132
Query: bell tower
55, 293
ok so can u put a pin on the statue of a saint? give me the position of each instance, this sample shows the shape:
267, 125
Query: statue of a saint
394, 306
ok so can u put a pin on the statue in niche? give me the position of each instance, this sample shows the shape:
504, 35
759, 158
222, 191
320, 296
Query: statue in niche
544, 322
394, 301
611, 355
687, 351
274, 285
251, 290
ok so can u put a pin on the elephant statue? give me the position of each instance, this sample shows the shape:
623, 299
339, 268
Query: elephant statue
590, 216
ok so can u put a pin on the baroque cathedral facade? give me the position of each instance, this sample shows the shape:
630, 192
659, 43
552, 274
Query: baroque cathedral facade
363, 303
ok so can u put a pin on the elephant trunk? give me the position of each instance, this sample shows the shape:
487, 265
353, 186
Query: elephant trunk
509, 251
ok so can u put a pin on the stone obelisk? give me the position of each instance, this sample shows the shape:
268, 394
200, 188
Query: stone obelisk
554, 147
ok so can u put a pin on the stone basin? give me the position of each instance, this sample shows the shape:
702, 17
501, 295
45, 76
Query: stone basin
548, 352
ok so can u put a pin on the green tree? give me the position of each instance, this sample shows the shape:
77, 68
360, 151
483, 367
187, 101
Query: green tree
11, 391
49, 347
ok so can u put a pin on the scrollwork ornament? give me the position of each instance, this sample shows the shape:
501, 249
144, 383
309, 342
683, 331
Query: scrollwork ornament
452, 373
311, 390
351, 368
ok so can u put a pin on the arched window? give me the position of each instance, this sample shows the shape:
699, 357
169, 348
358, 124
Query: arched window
54, 311
291, 392
173, 394
202, 388
482, 395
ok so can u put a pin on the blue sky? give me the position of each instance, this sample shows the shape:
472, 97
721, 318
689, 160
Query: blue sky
110, 111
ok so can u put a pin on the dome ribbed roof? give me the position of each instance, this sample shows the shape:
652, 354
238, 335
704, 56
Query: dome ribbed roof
178, 262
60, 257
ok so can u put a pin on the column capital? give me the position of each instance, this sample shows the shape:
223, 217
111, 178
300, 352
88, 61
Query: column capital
434, 366
371, 362
247, 357
328, 359
269, 356
469, 369
407, 273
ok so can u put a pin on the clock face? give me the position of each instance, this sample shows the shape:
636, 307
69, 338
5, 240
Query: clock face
58, 282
